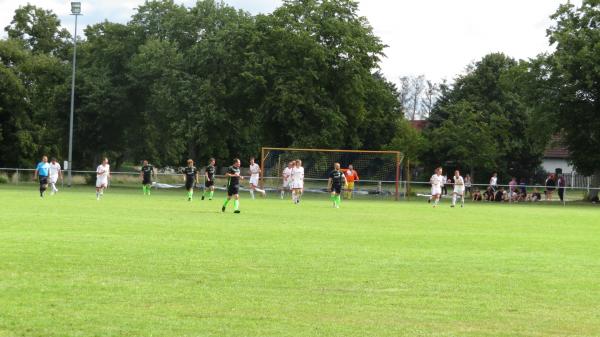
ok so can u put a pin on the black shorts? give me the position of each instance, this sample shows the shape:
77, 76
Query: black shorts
189, 185
43, 180
233, 190
147, 181
337, 189
209, 183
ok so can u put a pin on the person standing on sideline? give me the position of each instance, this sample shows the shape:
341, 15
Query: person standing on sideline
254, 178
146, 174
469, 185
55, 173
561, 183
209, 179
550, 187
351, 177
41, 173
493, 185
443, 184
233, 186
102, 176
335, 184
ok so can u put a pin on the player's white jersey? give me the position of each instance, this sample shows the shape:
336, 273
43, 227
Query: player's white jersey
54, 170
297, 174
436, 184
494, 181
103, 171
436, 180
459, 185
297, 178
254, 170
287, 172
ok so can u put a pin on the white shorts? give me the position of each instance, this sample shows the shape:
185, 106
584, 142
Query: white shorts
435, 190
254, 180
460, 190
53, 179
101, 181
297, 184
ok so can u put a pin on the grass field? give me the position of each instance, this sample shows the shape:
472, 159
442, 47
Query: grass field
159, 266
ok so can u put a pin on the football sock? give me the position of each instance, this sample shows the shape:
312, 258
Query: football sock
453, 199
148, 188
226, 202
282, 194
338, 199
236, 205
210, 195
259, 190
144, 189
252, 193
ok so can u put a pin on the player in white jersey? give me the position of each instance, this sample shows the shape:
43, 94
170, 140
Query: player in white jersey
102, 176
286, 178
297, 184
436, 186
254, 177
459, 189
55, 173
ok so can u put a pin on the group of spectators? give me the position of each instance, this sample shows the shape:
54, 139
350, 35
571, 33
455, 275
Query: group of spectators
517, 191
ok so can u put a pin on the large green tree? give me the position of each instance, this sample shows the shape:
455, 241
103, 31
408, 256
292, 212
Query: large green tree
497, 110
576, 70
179, 82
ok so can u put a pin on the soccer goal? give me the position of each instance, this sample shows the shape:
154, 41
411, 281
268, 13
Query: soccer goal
379, 172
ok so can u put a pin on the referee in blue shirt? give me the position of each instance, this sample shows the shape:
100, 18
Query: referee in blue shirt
41, 172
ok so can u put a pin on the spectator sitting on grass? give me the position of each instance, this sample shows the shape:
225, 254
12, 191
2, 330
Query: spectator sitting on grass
477, 195
535, 195
489, 194
523, 188
501, 195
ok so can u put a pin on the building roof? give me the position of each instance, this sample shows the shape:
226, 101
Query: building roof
419, 124
556, 149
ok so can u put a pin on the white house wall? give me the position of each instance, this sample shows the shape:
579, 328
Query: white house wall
550, 165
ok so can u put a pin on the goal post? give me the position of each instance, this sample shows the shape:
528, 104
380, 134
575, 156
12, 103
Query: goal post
380, 172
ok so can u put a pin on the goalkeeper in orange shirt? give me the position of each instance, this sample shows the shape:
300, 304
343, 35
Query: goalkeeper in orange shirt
351, 177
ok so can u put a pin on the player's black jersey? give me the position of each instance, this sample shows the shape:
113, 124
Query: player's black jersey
337, 178
233, 181
210, 172
147, 171
190, 173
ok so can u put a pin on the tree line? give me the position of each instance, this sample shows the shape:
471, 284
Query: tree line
210, 80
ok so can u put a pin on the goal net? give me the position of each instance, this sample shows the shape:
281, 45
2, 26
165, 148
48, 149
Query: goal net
379, 171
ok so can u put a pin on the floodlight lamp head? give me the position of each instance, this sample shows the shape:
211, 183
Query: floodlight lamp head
76, 8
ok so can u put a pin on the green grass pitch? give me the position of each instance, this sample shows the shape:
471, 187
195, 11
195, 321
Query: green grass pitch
131, 265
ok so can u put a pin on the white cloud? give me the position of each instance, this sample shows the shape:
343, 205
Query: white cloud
437, 38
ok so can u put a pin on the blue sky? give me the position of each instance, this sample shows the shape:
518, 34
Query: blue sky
437, 38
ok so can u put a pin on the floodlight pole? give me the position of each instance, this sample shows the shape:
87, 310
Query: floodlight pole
76, 11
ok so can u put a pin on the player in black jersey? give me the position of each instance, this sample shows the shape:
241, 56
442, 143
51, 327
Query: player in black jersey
337, 180
209, 179
190, 175
146, 174
233, 186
